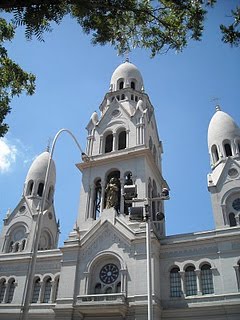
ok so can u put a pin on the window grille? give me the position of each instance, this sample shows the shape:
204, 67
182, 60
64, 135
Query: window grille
191, 281
206, 279
175, 283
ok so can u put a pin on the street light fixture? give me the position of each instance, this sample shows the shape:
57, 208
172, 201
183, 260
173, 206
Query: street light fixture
27, 294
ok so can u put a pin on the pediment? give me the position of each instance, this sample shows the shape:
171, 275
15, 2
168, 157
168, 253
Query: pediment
224, 172
21, 212
115, 115
107, 236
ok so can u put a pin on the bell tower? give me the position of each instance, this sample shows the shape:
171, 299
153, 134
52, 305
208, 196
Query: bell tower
124, 149
20, 224
224, 180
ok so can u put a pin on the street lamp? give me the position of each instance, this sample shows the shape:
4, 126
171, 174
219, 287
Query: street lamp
137, 214
29, 279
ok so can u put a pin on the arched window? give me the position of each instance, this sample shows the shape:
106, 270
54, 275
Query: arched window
232, 219
23, 244
50, 193
10, 249
228, 150
175, 283
133, 85
206, 279
97, 199
109, 290
11, 289
122, 140
47, 290
45, 242
127, 181
118, 287
150, 143
17, 239
98, 288
40, 189
191, 281
123, 96
36, 290
16, 247
30, 188
215, 155
121, 83
56, 289
2, 290
109, 143
132, 97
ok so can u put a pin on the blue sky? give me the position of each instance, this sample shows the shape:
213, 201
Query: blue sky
72, 79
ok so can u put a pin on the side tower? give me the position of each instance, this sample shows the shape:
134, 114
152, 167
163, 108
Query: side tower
124, 148
19, 225
224, 180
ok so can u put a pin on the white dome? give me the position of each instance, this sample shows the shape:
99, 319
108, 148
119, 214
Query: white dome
94, 117
38, 169
221, 127
128, 73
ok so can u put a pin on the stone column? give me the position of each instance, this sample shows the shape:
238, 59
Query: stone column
101, 145
86, 286
90, 213
237, 270
182, 275
127, 138
114, 145
121, 195
225, 218
198, 279
123, 281
102, 196
41, 292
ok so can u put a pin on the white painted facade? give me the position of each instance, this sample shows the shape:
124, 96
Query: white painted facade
101, 271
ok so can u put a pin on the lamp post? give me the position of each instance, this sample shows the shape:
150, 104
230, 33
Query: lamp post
138, 216
27, 294
149, 265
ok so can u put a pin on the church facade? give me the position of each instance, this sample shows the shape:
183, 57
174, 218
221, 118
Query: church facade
101, 270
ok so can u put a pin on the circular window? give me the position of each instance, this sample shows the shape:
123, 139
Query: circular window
115, 113
232, 172
109, 273
22, 209
236, 204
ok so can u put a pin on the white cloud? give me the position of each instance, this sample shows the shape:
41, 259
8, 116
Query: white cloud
8, 153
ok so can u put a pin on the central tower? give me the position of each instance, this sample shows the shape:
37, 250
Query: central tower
124, 149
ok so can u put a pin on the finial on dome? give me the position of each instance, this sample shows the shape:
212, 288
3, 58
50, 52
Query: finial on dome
218, 108
127, 56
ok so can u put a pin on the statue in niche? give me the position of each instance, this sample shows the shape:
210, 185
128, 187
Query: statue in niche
112, 193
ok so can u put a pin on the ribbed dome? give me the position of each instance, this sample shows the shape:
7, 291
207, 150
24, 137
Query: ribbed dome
221, 127
38, 169
128, 73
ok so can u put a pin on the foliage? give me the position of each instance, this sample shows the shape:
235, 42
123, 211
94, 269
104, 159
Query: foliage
126, 24
231, 34
13, 80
